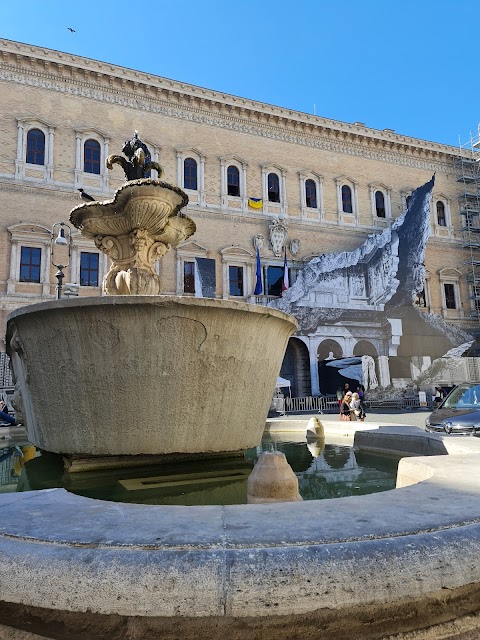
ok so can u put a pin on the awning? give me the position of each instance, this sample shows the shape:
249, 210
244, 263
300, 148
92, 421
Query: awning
281, 382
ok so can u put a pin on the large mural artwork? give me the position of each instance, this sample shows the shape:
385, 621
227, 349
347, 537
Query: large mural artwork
360, 304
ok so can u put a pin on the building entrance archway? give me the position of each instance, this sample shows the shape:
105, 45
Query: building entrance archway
296, 368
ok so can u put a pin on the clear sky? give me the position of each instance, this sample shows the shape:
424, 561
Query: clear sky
411, 65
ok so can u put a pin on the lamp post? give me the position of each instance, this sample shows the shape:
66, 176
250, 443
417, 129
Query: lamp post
62, 236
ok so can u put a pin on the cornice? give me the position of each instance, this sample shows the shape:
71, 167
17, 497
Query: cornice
67, 73
52, 191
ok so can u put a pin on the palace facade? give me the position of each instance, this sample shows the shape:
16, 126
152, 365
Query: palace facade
246, 167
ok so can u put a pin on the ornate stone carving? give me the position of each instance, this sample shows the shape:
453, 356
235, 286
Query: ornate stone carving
278, 236
136, 228
294, 246
258, 242
368, 373
132, 99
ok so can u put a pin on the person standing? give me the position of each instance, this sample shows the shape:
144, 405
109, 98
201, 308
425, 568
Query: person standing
438, 396
340, 398
347, 398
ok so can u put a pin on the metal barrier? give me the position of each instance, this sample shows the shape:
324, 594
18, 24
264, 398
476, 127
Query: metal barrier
329, 403
6, 378
312, 404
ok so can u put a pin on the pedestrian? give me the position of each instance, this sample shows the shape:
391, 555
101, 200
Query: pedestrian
356, 408
4, 415
340, 398
347, 398
361, 395
438, 396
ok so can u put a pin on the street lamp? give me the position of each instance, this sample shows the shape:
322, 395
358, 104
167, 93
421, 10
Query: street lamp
62, 236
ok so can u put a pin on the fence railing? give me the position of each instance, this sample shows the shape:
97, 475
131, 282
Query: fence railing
311, 403
6, 379
327, 403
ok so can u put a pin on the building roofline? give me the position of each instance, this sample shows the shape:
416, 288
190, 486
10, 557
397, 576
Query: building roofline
244, 106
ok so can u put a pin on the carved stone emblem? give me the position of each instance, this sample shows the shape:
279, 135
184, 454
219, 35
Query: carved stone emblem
278, 236
258, 242
294, 246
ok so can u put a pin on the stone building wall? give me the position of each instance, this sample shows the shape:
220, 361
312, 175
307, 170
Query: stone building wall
73, 99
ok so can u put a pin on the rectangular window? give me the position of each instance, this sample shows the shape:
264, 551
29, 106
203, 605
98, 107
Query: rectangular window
189, 277
476, 295
30, 261
235, 275
450, 296
273, 278
88, 269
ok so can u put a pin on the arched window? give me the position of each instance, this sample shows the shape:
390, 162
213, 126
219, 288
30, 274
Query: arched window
380, 204
190, 174
273, 188
233, 181
35, 147
441, 219
347, 206
311, 194
91, 157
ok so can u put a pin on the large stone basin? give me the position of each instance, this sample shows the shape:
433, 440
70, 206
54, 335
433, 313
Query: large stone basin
129, 375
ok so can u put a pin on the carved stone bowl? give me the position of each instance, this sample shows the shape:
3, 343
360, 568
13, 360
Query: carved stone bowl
139, 204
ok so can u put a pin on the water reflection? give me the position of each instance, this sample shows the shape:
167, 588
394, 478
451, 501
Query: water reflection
323, 471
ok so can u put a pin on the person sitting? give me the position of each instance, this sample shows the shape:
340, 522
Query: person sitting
4, 415
357, 407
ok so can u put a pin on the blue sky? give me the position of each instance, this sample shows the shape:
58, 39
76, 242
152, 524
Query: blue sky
412, 65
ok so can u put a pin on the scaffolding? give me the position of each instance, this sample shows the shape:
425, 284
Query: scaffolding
468, 175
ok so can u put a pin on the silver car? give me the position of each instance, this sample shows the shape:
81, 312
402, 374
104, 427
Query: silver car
459, 413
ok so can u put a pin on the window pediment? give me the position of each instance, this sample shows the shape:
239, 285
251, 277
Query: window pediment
192, 249
236, 252
190, 151
344, 180
379, 186
33, 121
25, 231
274, 168
92, 131
233, 158
449, 273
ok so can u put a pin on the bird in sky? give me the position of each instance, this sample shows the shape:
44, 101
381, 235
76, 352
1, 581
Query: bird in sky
86, 196
70, 29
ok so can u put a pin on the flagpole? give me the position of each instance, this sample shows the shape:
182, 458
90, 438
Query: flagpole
285, 283
258, 285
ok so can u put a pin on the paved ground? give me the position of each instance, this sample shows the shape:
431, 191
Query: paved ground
414, 418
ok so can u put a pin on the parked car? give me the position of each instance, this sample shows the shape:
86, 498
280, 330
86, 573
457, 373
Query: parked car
459, 413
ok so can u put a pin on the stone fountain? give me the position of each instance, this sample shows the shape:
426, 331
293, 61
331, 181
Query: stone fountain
148, 374
134, 372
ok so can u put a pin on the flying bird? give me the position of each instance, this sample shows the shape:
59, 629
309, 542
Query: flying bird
70, 29
86, 196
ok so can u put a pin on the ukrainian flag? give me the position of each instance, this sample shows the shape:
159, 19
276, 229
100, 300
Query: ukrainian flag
255, 203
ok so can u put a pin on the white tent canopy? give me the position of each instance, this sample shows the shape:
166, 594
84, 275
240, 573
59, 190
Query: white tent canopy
281, 382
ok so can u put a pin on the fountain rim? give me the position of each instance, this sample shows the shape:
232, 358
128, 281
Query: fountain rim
159, 300
204, 543
81, 211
